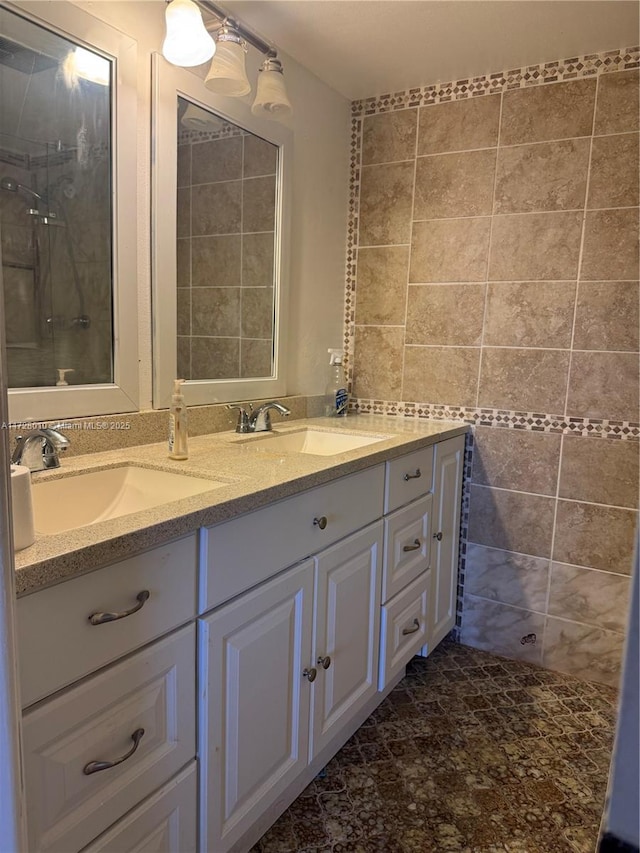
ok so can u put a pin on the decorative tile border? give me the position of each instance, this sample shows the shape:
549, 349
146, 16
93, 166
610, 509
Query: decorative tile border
573, 68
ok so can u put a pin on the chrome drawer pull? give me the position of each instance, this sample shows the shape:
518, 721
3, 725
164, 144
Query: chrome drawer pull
415, 627
310, 674
96, 766
415, 476
320, 522
415, 547
101, 618
324, 662
438, 536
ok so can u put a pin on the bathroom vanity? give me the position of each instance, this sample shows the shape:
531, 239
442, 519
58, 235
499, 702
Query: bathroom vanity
187, 693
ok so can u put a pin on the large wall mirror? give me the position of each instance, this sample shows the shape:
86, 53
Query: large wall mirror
67, 243
220, 183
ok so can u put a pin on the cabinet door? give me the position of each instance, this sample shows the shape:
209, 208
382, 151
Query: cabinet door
347, 631
444, 552
254, 713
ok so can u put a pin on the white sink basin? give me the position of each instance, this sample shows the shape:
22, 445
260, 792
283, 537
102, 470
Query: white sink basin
317, 442
86, 498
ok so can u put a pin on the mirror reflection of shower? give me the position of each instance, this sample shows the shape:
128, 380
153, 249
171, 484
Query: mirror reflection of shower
55, 207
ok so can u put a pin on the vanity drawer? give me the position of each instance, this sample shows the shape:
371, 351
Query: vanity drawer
403, 629
408, 478
248, 550
152, 690
407, 536
57, 642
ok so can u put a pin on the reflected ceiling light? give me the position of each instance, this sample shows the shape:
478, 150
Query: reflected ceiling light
83, 63
271, 96
195, 118
227, 75
187, 43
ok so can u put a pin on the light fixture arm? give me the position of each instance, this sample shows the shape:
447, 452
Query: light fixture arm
250, 37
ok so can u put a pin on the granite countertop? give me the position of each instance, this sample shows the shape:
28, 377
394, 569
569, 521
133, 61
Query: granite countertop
243, 479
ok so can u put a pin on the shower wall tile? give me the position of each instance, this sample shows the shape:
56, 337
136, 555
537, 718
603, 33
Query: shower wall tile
529, 313
216, 311
499, 628
447, 314
517, 459
389, 137
379, 353
184, 212
524, 380
450, 185
604, 385
219, 160
184, 357
257, 259
215, 208
610, 245
535, 246
614, 171
617, 110
183, 263
257, 312
260, 157
607, 316
386, 198
589, 596
507, 577
184, 166
512, 521
450, 250
382, 285
459, 125
255, 358
594, 536
258, 204
544, 176
446, 374
215, 358
184, 311
216, 261
541, 113
583, 651
605, 472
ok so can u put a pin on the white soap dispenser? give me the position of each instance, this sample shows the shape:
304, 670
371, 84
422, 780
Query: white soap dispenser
336, 396
178, 448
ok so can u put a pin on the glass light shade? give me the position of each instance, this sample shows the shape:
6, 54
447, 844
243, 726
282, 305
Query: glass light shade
271, 95
227, 75
187, 42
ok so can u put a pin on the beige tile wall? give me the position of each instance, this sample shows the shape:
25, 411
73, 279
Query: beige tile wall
497, 269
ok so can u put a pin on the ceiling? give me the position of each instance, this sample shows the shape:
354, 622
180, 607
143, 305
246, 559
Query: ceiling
368, 47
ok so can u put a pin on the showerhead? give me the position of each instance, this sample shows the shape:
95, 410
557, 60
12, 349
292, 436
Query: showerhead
13, 187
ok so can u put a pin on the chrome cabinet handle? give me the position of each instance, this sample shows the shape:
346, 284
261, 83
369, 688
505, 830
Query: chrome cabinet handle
97, 766
324, 662
414, 627
438, 536
310, 674
415, 547
415, 476
320, 522
101, 618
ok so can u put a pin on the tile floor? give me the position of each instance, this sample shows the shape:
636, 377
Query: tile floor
471, 753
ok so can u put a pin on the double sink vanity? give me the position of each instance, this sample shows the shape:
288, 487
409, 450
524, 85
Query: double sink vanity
198, 639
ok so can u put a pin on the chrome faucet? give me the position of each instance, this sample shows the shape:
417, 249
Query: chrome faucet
257, 420
39, 449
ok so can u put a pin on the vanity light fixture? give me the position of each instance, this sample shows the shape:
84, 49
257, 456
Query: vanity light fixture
271, 96
187, 42
227, 74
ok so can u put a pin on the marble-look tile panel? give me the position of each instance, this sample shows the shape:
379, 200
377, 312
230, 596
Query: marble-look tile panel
447, 314
378, 353
607, 316
255, 358
216, 261
386, 198
215, 358
511, 521
529, 313
614, 171
516, 579
183, 263
617, 109
535, 246
260, 157
500, 628
216, 311
218, 160
610, 245
540, 113
605, 472
450, 250
216, 208
597, 537
257, 259
389, 137
583, 651
604, 385
523, 380
381, 285
459, 125
257, 312
446, 374
516, 459
258, 204
542, 176
589, 596
450, 185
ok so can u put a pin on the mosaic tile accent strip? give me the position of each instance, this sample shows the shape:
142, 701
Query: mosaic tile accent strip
464, 530
572, 68
186, 137
470, 752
